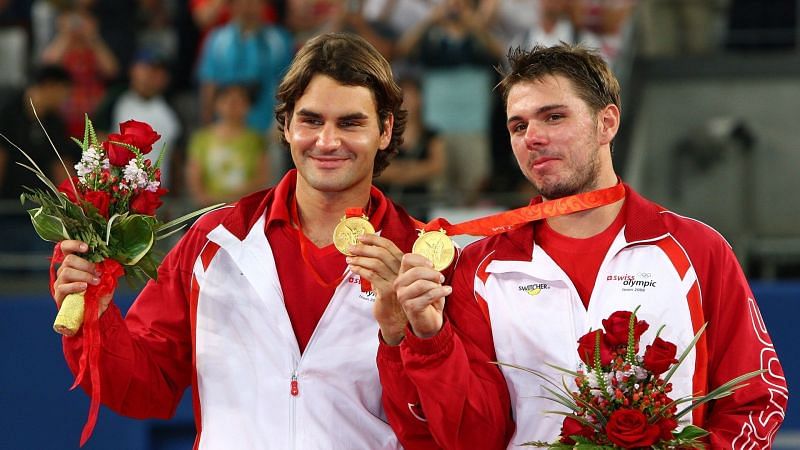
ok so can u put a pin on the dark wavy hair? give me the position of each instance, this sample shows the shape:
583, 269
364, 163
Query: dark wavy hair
350, 60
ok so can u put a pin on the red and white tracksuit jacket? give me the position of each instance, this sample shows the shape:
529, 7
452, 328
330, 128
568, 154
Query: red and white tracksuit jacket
511, 303
215, 320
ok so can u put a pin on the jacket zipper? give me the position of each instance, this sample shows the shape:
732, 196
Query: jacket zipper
294, 391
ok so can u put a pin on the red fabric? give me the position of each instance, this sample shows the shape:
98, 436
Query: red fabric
147, 358
454, 386
87, 90
579, 258
110, 271
307, 294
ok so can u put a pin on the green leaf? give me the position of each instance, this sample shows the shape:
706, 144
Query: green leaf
685, 353
133, 237
186, 217
50, 228
690, 432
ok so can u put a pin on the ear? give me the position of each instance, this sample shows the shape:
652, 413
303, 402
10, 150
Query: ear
607, 123
386, 136
286, 133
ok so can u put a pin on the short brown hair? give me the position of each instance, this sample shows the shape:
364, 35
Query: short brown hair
350, 60
590, 75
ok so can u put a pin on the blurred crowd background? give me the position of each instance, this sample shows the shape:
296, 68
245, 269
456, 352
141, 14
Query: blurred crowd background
710, 129
708, 86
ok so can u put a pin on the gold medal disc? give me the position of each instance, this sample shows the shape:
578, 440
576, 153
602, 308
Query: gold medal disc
348, 230
437, 247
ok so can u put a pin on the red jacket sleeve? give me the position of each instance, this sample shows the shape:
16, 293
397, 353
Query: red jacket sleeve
738, 343
448, 382
146, 359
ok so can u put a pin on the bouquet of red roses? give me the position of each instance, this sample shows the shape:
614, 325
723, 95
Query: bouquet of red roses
110, 205
622, 398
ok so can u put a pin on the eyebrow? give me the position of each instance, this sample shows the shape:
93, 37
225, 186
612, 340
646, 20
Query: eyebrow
541, 110
315, 115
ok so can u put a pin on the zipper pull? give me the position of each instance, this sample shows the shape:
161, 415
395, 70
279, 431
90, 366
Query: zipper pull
295, 391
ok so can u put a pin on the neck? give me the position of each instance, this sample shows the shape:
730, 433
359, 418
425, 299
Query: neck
585, 224
319, 212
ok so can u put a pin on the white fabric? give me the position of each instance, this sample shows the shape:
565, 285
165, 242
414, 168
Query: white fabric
247, 355
522, 294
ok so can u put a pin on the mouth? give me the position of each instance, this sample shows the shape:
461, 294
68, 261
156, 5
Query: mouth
329, 161
543, 162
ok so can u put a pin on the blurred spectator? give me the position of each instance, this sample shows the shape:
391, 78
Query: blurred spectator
349, 16
155, 29
457, 55
602, 24
48, 90
143, 100
79, 48
245, 51
14, 24
210, 14
398, 15
307, 18
679, 27
554, 25
421, 161
510, 20
226, 159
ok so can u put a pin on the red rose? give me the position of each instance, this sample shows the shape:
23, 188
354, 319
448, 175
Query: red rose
68, 188
101, 200
572, 427
617, 326
659, 356
117, 154
140, 135
628, 428
586, 346
667, 426
146, 202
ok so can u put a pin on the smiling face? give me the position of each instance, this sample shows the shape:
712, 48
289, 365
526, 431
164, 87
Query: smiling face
561, 145
333, 135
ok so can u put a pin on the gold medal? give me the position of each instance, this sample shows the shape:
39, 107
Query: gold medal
348, 230
436, 246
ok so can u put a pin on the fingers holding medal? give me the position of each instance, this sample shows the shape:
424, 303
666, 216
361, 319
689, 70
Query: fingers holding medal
436, 246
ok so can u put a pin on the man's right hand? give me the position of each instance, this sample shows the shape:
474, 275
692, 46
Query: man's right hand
75, 274
421, 295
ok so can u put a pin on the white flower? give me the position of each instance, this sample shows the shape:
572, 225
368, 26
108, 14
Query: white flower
152, 186
135, 175
90, 162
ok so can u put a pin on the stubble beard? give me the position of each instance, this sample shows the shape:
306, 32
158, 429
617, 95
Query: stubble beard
583, 179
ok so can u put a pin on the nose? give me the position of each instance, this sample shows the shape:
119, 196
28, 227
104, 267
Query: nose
534, 134
328, 138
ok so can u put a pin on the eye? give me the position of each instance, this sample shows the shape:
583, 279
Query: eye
517, 127
312, 121
349, 123
554, 117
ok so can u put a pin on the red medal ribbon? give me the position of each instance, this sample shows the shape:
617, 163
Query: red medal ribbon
110, 270
509, 220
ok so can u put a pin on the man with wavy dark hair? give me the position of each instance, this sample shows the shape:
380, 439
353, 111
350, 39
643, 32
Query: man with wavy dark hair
335, 55
255, 308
